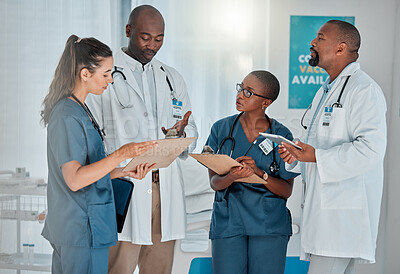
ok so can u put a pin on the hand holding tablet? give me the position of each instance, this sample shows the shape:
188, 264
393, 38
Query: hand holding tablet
279, 139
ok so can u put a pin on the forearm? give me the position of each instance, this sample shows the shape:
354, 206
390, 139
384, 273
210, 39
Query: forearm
78, 177
280, 187
218, 182
117, 173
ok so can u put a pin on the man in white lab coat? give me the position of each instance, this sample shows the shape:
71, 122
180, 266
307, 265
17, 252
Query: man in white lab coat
342, 157
146, 97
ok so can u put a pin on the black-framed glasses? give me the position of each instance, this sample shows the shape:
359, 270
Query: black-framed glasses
247, 93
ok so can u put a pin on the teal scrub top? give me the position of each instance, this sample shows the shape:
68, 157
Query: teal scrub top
244, 208
84, 218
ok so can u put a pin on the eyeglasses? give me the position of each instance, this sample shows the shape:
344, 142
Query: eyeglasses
247, 93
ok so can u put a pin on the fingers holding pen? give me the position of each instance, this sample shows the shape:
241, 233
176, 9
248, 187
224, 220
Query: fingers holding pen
241, 171
249, 162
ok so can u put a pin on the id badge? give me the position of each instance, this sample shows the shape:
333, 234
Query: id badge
327, 116
177, 109
266, 146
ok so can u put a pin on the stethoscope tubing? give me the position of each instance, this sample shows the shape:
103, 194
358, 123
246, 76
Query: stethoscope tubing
173, 95
274, 167
337, 104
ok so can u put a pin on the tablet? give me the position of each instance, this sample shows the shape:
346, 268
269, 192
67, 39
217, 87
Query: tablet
122, 189
279, 139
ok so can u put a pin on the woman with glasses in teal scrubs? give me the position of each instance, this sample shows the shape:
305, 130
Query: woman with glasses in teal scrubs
250, 225
81, 220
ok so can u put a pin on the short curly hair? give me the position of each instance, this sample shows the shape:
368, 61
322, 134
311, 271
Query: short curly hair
270, 83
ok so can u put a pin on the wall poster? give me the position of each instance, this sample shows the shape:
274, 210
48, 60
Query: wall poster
304, 80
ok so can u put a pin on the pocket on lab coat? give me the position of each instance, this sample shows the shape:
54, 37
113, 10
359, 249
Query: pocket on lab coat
103, 224
130, 124
337, 124
346, 194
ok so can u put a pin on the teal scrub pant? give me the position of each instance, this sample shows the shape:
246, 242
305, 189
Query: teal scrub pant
78, 260
249, 254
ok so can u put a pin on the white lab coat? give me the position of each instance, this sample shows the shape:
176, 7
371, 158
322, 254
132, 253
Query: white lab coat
130, 123
343, 189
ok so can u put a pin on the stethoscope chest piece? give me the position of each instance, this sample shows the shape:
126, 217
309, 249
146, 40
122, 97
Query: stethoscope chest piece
274, 167
337, 105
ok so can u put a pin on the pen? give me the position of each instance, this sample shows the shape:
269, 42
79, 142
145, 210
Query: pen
255, 141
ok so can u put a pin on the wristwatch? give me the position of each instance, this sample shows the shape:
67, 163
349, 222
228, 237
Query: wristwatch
265, 176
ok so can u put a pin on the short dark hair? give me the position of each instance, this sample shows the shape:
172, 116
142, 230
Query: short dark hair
270, 83
348, 34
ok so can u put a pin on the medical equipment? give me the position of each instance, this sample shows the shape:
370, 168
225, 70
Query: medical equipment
273, 168
25, 248
94, 122
20, 172
337, 104
279, 139
19, 209
31, 250
117, 71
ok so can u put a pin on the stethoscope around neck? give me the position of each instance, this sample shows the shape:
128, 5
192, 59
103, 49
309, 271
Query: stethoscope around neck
337, 104
273, 168
119, 96
94, 122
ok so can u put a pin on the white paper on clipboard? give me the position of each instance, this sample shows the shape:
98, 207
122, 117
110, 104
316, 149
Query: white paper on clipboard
279, 139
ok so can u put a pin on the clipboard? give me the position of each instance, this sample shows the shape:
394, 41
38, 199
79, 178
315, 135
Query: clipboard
222, 164
162, 155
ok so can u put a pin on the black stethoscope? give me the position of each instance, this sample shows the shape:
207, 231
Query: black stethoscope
337, 104
173, 95
273, 168
94, 122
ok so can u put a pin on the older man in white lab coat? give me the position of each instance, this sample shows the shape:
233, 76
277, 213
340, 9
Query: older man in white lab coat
146, 96
343, 157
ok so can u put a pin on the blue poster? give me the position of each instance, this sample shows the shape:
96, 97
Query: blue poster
305, 80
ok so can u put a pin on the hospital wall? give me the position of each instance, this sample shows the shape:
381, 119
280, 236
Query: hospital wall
379, 25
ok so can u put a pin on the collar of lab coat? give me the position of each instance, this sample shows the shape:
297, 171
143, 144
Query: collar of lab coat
350, 69
335, 88
121, 63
